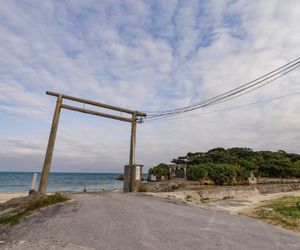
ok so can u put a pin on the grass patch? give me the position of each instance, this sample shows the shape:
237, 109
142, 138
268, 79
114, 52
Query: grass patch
227, 197
32, 205
205, 200
142, 188
45, 201
14, 219
283, 211
189, 198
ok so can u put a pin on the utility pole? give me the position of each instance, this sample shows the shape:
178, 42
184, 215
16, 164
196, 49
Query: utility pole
132, 172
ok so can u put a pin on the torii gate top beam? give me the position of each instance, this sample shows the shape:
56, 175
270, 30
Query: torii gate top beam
92, 112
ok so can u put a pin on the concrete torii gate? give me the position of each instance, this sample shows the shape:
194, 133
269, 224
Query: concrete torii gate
132, 172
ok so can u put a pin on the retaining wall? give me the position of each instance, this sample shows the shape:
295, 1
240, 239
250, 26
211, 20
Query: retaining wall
246, 191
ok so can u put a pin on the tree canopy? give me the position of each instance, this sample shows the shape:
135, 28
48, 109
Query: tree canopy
264, 163
233, 165
161, 169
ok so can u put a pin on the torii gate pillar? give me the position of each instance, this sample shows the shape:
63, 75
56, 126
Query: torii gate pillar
50, 147
132, 172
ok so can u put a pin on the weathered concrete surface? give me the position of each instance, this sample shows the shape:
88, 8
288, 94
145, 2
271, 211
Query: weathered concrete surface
136, 221
230, 205
222, 192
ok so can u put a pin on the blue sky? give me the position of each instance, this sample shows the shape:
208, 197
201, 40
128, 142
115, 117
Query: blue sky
143, 55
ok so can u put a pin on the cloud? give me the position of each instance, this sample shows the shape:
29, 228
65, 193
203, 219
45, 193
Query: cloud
144, 55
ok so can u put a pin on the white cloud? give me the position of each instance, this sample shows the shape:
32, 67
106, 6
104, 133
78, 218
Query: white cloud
146, 56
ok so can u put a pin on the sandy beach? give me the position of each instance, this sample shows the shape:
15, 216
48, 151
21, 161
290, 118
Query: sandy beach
7, 196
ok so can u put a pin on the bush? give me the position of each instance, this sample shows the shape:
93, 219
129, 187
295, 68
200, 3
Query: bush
296, 169
45, 201
197, 172
161, 169
142, 188
219, 173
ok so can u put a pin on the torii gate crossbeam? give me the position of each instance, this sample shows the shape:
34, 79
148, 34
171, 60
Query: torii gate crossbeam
136, 116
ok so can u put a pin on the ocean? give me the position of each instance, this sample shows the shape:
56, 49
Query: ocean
11, 182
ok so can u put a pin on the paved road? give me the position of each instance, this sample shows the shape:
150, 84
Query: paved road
136, 221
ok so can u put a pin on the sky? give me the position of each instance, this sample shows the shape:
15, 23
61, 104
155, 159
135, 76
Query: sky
144, 55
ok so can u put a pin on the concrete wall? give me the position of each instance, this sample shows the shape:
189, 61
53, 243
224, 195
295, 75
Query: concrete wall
246, 191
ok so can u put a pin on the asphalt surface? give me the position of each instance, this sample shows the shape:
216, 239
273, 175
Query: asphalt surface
137, 221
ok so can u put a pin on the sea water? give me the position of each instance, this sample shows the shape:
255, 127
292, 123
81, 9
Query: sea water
11, 182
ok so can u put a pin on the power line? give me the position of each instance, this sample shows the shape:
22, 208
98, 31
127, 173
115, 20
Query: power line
259, 78
231, 94
219, 101
227, 109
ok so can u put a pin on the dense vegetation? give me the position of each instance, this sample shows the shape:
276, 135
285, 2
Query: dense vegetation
226, 166
219, 173
161, 169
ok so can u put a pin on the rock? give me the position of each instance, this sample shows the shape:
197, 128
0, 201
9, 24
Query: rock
120, 178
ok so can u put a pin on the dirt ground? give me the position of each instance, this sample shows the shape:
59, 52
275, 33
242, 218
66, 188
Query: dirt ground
233, 206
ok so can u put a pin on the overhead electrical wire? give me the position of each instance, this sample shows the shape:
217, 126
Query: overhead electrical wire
234, 91
217, 102
231, 94
230, 108
265, 75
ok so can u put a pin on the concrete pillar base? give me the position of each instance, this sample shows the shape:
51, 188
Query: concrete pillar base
132, 178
